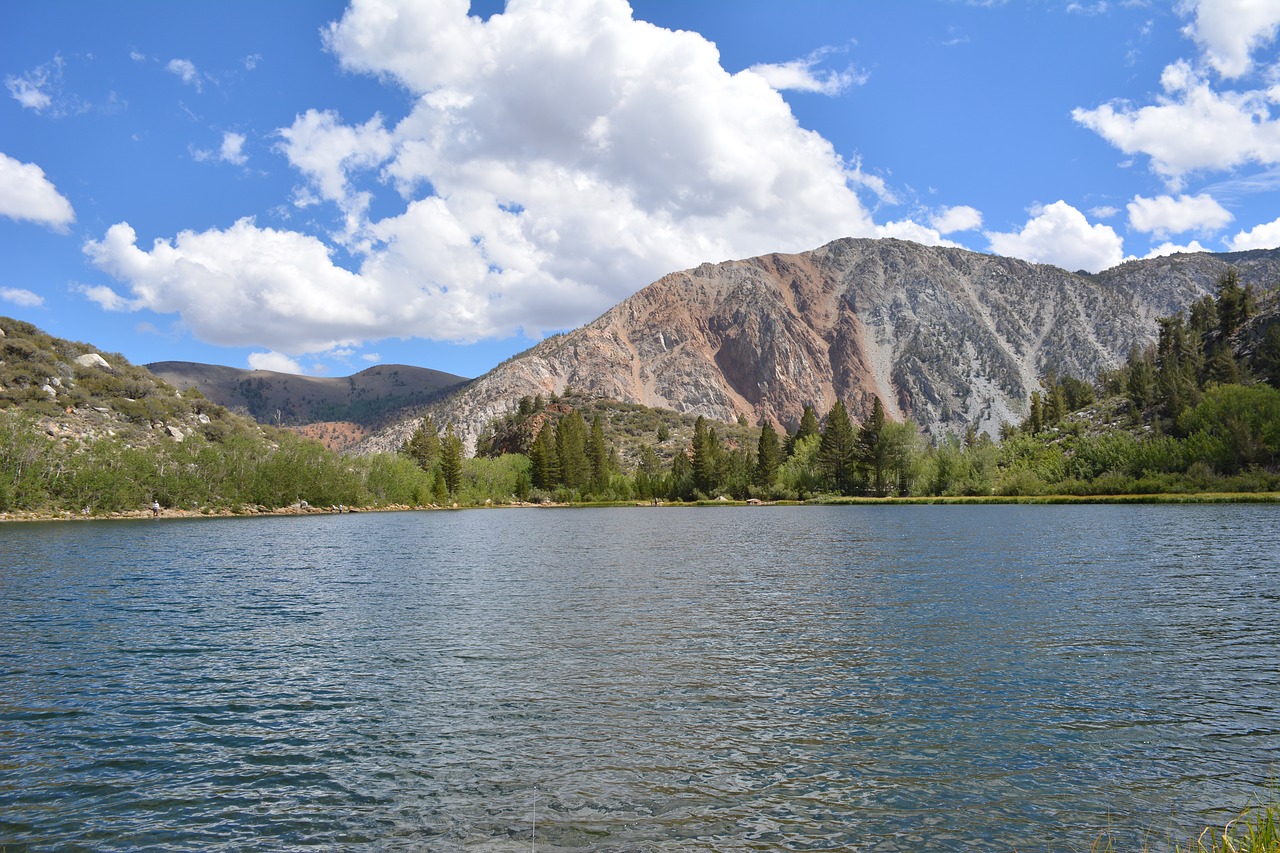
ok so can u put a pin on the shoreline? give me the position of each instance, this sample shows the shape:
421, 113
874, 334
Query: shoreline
297, 510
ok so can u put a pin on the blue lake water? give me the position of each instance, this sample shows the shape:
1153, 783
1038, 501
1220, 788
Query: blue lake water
806, 678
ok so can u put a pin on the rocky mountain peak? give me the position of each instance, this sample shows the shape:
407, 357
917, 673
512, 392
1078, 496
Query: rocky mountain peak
944, 336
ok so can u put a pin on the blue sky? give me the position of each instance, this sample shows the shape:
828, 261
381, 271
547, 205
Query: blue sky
320, 186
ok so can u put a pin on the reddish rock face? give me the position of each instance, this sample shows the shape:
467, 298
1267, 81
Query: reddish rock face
944, 336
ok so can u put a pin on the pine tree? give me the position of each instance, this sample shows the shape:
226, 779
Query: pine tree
706, 457
1055, 407
872, 450
1266, 358
598, 457
544, 462
648, 474
1232, 303
451, 452
768, 456
1222, 369
681, 485
1140, 384
1034, 424
808, 424
1176, 368
424, 445
838, 451
571, 448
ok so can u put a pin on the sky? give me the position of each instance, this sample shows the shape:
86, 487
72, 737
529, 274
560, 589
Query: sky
317, 187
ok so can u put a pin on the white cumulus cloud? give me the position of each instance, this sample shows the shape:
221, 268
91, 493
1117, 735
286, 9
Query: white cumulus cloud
1229, 31
1059, 234
245, 285
107, 299
21, 296
1265, 236
275, 361
1191, 127
1165, 215
959, 218
1172, 249
907, 229
557, 157
25, 193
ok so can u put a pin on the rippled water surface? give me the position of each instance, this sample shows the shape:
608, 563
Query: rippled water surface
879, 678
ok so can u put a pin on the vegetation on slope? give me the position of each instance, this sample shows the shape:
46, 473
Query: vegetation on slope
89, 432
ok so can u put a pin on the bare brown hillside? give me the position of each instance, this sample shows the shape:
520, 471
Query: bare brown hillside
283, 399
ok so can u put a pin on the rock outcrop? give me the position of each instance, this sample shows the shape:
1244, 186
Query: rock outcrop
945, 336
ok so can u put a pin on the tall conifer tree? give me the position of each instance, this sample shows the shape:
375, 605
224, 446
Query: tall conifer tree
837, 452
768, 456
571, 447
706, 457
544, 462
451, 453
598, 457
873, 451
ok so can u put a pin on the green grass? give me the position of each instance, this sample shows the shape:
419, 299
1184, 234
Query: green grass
1255, 830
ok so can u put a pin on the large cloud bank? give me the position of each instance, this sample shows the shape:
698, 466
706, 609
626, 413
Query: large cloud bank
557, 157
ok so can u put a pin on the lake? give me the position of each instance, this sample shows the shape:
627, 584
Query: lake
764, 678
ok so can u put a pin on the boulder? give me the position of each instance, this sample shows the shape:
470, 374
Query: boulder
92, 359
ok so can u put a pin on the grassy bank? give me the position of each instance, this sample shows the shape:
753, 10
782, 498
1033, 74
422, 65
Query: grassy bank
1169, 498
1255, 830
48, 514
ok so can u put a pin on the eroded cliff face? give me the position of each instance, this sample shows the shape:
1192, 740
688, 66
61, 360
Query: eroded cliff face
944, 336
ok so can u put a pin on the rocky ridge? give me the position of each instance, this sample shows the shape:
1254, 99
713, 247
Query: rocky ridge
945, 336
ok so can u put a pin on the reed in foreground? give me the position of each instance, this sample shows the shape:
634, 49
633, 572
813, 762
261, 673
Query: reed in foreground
1256, 830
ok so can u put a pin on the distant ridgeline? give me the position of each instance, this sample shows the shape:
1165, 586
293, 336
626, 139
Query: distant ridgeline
1196, 411
283, 399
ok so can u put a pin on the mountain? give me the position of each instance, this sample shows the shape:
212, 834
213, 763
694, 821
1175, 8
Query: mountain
945, 336
284, 399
